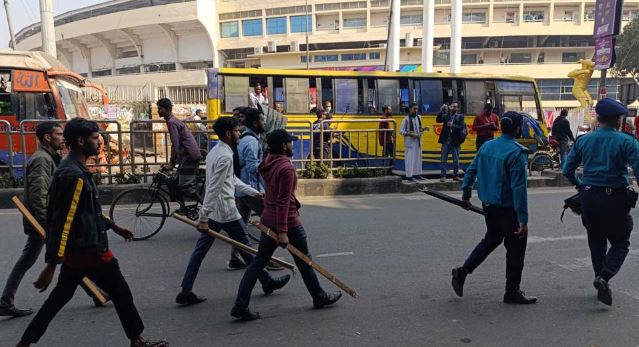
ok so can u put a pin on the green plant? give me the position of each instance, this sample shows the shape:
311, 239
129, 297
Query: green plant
128, 178
356, 172
97, 178
314, 170
8, 181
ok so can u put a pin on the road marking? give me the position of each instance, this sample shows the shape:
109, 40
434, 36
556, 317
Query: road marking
536, 239
334, 254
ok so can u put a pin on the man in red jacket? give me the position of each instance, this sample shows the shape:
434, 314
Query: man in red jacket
281, 214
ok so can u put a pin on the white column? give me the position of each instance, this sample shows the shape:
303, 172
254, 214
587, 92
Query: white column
428, 35
10, 24
393, 45
47, 27
455, 36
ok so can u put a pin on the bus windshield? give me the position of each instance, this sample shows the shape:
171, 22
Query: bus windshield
514, 96
72, 99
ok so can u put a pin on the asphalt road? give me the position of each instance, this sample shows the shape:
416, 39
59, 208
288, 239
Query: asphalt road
396, 250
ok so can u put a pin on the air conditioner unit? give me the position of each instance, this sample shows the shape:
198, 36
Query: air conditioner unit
272, 46
382, 45
295, 46
493, 44
258, 50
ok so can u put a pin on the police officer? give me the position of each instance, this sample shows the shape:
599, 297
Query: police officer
605, 199
500, 168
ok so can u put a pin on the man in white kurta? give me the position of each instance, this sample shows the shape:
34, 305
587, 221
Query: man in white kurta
412, 130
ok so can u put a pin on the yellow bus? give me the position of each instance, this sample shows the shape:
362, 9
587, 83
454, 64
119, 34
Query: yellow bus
361, 95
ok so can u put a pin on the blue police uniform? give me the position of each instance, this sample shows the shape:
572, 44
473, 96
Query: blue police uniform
500, 168
605, 155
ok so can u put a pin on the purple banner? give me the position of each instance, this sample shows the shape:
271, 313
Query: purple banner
604, 52
607, 17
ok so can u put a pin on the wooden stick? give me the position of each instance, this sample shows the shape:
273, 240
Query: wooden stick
232, 242
92, 290
303, 257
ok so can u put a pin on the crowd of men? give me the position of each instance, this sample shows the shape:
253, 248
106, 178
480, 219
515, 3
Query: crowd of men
248, 172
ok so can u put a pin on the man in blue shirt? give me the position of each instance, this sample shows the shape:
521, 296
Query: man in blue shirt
500, 169
249, 152
605, 155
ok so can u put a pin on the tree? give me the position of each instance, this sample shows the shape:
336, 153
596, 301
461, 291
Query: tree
627, 51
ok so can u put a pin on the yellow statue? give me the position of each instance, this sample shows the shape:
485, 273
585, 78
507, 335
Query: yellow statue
582, 79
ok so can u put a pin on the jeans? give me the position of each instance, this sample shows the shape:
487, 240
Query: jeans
481, 140
606, 218
109, 278
29, 255
450, 149
501, 225
297, 238
245, 205
388, 151
236, 231
564, 148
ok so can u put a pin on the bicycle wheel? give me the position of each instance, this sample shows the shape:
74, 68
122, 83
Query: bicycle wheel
141, 210
540, 162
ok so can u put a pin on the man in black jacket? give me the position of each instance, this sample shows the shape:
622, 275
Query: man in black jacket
38, 176
561, 131
451, 138
76, 237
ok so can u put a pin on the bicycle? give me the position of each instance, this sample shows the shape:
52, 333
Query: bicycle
151, 205
545, 159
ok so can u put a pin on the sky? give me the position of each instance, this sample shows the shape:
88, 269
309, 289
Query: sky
27, 12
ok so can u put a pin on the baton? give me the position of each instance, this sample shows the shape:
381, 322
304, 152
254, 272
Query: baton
92, 290
232, 242
303, 257
454, 201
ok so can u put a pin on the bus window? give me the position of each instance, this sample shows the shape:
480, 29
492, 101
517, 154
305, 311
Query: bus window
511, 103
278, 92
297, 100
429, 95
346, 95
512, 95
235, 94
72, 99
404, 95
475, 92
388, 93
5, 93
326, 90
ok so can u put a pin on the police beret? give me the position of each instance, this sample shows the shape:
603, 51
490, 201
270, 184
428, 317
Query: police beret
609, 107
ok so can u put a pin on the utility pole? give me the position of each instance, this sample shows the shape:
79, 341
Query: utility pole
47, 27
393, 42
306, 23
10, 24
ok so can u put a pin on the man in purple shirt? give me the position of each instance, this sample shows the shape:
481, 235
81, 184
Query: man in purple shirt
184, 151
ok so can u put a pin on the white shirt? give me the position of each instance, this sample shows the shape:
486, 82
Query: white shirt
219, 197
257, 99
405, 129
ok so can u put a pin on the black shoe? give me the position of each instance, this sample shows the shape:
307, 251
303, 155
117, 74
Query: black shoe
235, 264
326, 299
273, 266
189, 298
519, 297
12, 311
459, 276
420, 177
603, 291
244, 314
276, 284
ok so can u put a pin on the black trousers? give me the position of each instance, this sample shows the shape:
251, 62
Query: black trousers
481, 140
606, 217
501, 225
109, 278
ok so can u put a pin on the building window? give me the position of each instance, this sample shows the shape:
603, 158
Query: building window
589, 15
629, 14
252, 27
287, 10
353, 56
374, 55
534, 16
276, 25
413, 19
325, 57
303, 59
354, 22
298, 22
469, 59
229, 29
474, 17
572, 57
520, 58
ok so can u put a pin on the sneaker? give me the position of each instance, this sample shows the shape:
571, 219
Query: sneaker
457, 179
442, 179
273, 266
187, 299
12, 311
519, 297
420, 177
244, 314
235, 264
326, 299
276, 284
459, 277
603, 290
412, 180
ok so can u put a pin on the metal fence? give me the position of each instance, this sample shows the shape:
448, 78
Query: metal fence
145, 145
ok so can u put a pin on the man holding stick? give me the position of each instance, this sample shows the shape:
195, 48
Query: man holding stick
281, 214
500, 167
39, 173
76, 237
220, 212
